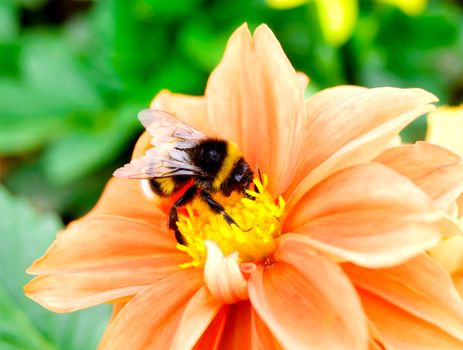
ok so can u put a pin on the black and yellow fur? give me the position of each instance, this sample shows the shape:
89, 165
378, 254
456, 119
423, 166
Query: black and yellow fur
223, 170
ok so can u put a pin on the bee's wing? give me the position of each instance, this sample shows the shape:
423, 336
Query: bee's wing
165, 128
159, 162
170, 138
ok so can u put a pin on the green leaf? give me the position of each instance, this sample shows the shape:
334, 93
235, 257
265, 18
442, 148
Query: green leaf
9, 59
24, 133
31, 4
428, 54
16, 329
50, 67
8, 21
52, 83
82, 153
28, 180
179, 75
428, 31
52, 86
169, 10
25, 234
202, 43
415, 131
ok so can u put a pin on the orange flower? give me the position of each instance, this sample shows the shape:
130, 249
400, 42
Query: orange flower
333, 255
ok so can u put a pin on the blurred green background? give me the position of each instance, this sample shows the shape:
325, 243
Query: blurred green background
73, 75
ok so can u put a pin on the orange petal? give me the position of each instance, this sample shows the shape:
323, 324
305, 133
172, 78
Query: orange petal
143, 143
376, 340
237, 326
402, 330
71, 292
367, 214
436, 170
100, 242
353, 126
126, 198
150, 319
419, 286
460, 205
198, 314
190, 109
245, 330
255, 98
211, 338
237, 332
117, 307
307, 302
100, 259
458, 282
264, 339
340, 115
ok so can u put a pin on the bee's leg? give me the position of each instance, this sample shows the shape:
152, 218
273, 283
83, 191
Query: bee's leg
173, 216
216, 207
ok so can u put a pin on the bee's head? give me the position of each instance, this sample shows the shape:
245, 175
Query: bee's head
239, 179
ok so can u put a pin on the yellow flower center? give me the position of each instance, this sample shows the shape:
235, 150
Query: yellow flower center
259, 219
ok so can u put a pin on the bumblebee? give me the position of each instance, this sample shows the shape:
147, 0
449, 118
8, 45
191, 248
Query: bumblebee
181, 157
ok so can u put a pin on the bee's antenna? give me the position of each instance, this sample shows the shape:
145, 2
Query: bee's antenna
260, 175
260, 179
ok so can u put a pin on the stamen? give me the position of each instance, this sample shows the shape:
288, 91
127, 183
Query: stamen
258, 215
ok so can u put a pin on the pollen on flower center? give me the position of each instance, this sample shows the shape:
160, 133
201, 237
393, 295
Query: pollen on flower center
259, 218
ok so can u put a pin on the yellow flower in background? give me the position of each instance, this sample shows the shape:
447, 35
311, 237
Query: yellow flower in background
410, 7
339, 17
445, 128
285, 4
449, 254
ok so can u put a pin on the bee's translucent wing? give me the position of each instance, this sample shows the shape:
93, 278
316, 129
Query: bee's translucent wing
165, 128
171, 139
159, 163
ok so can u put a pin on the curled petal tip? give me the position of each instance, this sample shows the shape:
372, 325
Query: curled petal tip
248, 269
223, 276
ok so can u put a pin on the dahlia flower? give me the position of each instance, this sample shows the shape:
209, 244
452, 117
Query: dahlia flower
332, 255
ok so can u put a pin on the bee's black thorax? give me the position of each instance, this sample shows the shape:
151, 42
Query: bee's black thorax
208, 155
